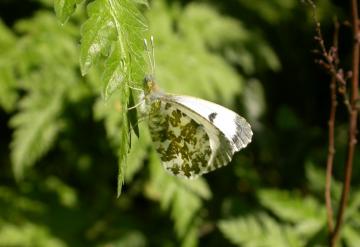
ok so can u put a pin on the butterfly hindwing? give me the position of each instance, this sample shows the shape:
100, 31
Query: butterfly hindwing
182, 143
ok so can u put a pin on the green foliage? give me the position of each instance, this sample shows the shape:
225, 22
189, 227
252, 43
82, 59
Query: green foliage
65, 125
182, 197
32, 139
259, 230
37, 121
271, 11
296, 220
115, 29
65, 8
291, 207
196, 74
8, 95
28, 235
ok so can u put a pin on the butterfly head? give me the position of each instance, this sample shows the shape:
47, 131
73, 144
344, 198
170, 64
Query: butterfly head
149, 85
149, 80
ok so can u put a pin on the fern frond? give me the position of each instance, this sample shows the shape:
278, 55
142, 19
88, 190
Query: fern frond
290, 207
36, 127
138, 153
115, 30
65, 8
8, 93
306, 213
316, 180
184, 199
351, 235
22, 235
258, 231
124, 145
47, 77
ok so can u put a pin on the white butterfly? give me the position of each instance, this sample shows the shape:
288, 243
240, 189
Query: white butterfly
192, 136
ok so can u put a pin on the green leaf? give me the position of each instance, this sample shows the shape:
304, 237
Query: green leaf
97, 33
237, 46
22, 235
290, 206
66, 195
351, 235
271, 11
316, 179
258, 230
115, 72
124, 139
7, 38
132, 115
353, 206
65, 8
130, 238
36, 128
306, 213
182, 197
8, 93
143, 2
115, 31
254, 100
185, 49
114, 23
138, 154
46, 76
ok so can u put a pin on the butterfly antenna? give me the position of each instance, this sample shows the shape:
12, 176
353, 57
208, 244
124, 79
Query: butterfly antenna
153, 53
150, 53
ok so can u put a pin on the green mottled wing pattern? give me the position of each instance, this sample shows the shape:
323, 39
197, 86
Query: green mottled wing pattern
182, 143
228, 132
221, 147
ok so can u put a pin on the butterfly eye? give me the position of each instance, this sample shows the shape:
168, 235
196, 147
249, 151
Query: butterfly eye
148, 83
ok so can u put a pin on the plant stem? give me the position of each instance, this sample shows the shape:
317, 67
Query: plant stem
331, 146
352, 123
330, 156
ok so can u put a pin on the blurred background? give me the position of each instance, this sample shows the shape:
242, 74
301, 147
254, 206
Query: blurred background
59, 139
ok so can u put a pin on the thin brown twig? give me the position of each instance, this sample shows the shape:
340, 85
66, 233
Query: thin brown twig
330, 62
352, 123
330, 59
331, 145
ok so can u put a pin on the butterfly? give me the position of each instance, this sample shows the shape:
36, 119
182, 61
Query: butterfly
192, 136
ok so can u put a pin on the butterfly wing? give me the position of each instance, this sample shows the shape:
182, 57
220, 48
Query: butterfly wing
181, 142
234, 127
227, 131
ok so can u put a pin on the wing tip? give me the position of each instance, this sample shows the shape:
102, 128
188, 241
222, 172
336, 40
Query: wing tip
243, 135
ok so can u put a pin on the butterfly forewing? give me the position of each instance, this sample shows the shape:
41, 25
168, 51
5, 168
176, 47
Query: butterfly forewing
228, 132
234, 127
